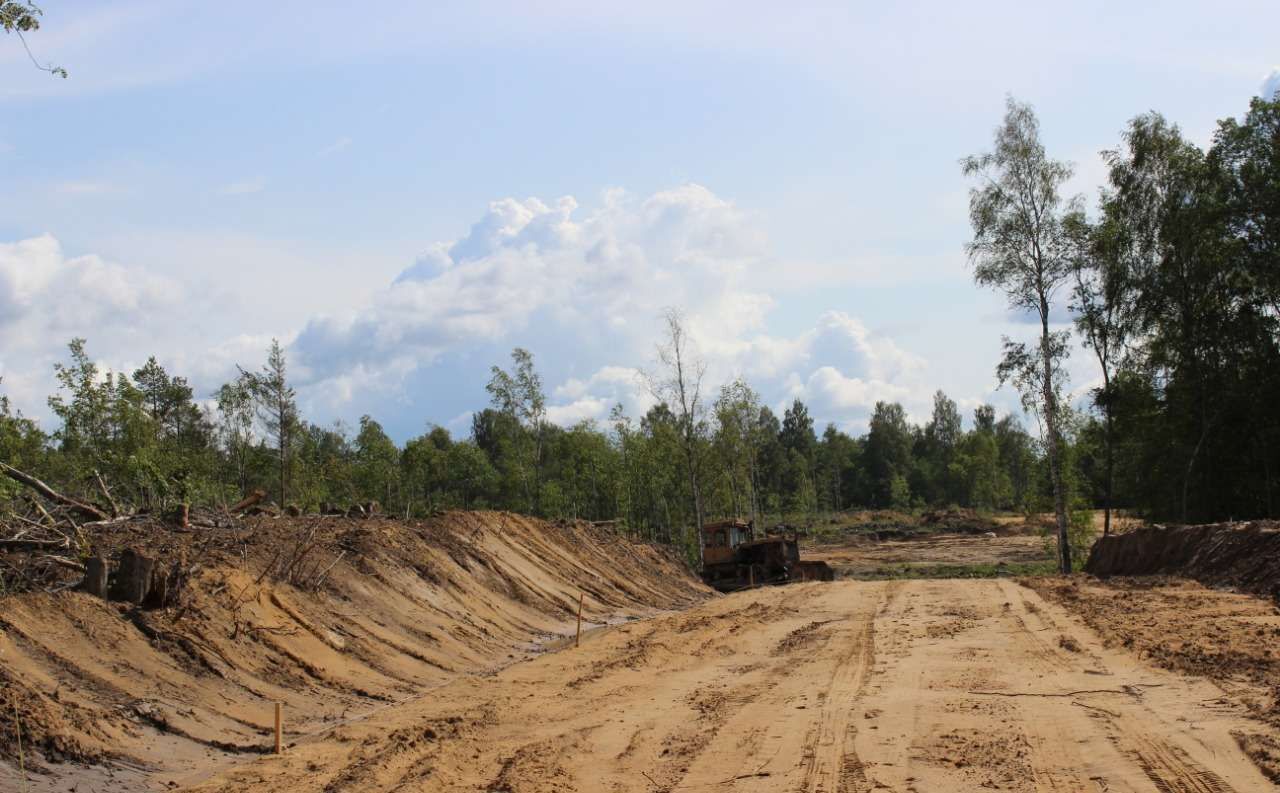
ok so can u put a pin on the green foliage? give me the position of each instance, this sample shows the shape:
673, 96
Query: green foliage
23, 16
519, 430
22, 445
276, 408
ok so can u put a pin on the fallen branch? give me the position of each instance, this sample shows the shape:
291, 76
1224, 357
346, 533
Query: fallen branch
106, 493
44, 513
32, 545
247, 501
320, 578
79, 507
63, 561
1132, 690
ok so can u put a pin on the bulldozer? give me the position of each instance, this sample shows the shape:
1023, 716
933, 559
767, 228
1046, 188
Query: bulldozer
733, 559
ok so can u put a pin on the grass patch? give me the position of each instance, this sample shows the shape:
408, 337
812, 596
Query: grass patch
983, 570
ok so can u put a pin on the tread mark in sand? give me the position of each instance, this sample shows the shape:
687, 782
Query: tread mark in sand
1173, 772
831, 764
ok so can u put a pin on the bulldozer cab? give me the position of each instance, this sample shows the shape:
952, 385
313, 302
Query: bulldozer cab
721, 540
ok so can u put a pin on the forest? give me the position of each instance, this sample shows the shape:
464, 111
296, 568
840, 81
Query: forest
1170, 277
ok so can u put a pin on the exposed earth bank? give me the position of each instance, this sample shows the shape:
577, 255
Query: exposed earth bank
337, 618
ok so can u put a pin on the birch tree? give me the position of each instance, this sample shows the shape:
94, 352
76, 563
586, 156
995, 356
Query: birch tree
1019, 248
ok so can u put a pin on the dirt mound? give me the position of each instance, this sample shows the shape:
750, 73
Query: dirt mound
1245, 556
332, 616
958, 520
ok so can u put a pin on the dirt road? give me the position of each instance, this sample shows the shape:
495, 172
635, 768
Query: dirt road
938, 685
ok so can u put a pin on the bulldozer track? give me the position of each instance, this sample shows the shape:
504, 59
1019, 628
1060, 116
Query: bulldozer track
832, 763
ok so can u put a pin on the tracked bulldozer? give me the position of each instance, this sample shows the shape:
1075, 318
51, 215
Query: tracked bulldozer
732, 558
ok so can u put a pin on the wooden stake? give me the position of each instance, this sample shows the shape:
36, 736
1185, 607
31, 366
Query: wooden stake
279, 721
578, 641
17, 726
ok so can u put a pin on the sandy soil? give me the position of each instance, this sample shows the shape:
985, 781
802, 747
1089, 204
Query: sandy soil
1235, 641
108, 698
935, 685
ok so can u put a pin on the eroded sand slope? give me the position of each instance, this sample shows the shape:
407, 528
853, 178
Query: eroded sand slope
111, 698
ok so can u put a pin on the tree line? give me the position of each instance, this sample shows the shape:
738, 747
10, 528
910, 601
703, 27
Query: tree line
1172, 281
685, 460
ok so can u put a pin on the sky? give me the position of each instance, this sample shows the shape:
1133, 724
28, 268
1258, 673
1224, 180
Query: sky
402, 193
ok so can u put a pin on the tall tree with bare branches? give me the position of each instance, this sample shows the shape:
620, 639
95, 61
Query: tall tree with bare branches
676, 381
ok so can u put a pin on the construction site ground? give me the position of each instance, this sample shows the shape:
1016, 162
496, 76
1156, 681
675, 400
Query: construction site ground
999, 683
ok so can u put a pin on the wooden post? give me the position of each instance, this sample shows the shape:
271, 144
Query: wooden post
578, 641
279, 720
751, 576
17, 730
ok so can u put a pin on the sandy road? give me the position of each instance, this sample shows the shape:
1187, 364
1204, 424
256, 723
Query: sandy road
941, 685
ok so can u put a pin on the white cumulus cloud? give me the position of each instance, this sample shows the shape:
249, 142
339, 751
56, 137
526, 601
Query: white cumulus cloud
584, 288
587, 287
1271, 85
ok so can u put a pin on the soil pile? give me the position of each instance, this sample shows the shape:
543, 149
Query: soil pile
1245, 556
332, 616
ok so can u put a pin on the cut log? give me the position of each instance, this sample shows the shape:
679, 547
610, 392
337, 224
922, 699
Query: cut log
95, 577
248, 501
78, 507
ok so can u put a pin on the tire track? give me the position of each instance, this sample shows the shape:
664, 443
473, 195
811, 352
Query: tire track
1171, 771
831, 761
1166, 765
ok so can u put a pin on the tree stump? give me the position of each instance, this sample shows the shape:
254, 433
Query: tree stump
158, 589
133, 577
95, 577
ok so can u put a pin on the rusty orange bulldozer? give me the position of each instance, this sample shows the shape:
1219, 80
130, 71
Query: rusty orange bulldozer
733, 559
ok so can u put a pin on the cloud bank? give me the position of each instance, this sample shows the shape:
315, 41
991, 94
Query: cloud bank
584, 288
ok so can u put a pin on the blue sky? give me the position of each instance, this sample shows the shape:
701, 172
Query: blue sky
403, 193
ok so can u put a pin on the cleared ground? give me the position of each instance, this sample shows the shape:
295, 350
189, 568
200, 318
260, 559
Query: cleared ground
936, 555
923, 685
